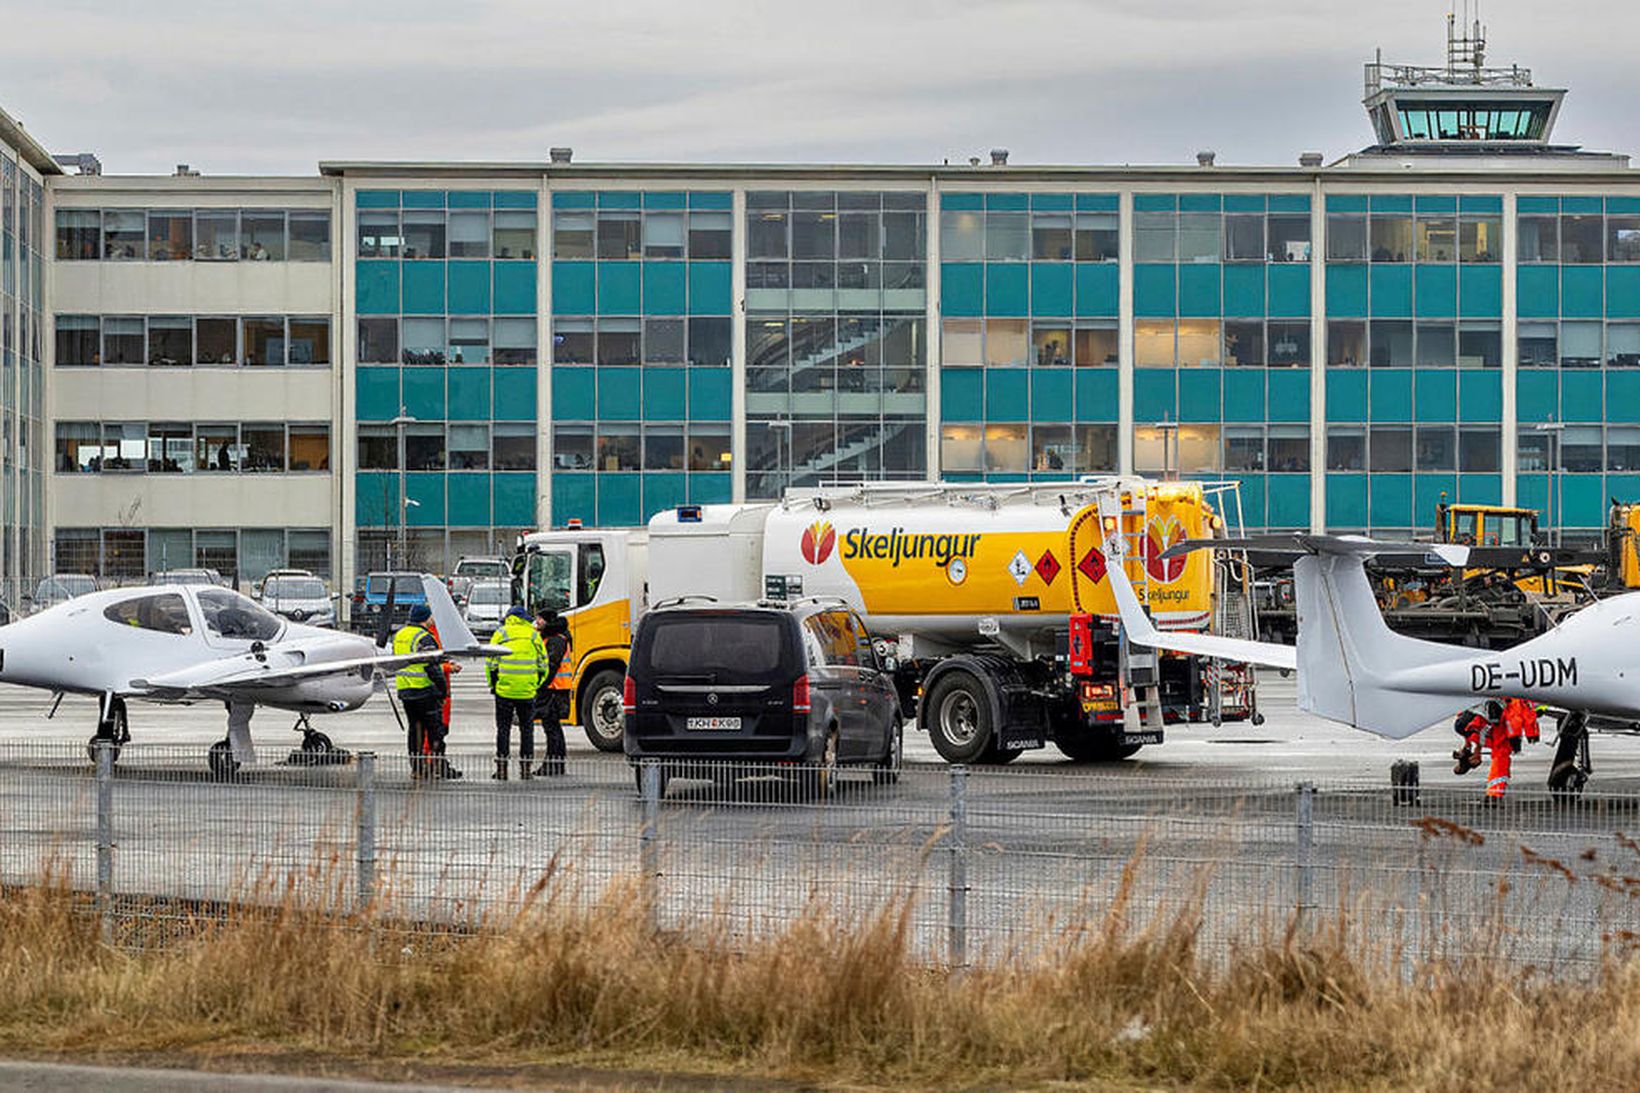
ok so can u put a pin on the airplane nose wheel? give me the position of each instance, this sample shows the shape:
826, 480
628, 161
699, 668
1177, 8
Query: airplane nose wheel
220, 759
115, 730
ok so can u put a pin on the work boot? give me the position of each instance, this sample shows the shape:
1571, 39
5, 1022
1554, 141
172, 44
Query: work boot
445, 770
500, 774
552, 768
524, 772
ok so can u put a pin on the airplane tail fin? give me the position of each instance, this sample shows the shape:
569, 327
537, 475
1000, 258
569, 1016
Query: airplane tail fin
453, 631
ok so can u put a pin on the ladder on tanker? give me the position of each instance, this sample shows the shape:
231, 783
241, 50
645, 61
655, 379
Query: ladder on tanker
1140, 665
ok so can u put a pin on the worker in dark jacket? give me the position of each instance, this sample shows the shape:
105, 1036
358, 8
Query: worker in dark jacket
552, 705
421, 687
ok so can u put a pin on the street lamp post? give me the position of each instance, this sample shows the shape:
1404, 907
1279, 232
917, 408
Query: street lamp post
1170, 440
782, 427
405, 503
1552, 429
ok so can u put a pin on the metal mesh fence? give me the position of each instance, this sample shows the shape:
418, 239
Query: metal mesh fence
990, 864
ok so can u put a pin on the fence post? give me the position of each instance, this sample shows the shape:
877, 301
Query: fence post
649, 865
1305, 847
956, 842
365, 830
105, 838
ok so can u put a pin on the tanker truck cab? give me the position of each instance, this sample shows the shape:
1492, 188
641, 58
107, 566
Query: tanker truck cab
595, 579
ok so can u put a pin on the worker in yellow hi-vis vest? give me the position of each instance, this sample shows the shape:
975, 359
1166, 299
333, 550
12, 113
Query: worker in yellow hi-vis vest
421, 688
515, 680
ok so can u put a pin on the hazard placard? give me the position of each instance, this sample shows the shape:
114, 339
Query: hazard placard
1019, 568
1047, 567
1092, 565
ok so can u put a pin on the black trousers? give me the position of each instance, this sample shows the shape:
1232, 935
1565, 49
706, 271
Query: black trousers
550, 707
508, 710
423, 711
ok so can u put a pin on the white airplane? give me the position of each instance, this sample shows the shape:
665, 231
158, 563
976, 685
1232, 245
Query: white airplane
192, 643
1354, 669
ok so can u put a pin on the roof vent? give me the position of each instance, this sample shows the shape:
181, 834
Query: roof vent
84, 162
973, 161
560, 155
185, 171
999, 157
1310, 159
1205, 159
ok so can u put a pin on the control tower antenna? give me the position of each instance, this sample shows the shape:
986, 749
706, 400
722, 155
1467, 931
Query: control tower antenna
1465, 45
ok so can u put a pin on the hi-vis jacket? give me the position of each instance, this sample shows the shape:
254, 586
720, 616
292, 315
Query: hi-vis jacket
521, 672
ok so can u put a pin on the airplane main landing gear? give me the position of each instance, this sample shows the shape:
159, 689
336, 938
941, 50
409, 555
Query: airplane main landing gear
113, 728
1571, 769
316, 749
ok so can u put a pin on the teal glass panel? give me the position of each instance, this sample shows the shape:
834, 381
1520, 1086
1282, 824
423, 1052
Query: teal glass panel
469, 199
1244, 203
1346, 203
1346, 501
574, 199
423, 288
574, 393
377, 199
469, 288
1537, 394
1582, 501
1581, 205
1007, 394
620, 290
377, 391
514, 493
1244, 291
1532, 492
515, 199
1290, 290
1426, 494
1623, 396
1007, 289
422, 199
1533, 204
665, 288
1623, 486
1252, 501
1097, 394
426, 489
1391, 500
1053, 202
1289, 503
469, 499
1537, 292
1290, 394
663, 491
1480, 203
670, 199
710, 288
619, 394
620, 500
620, 199
712, 200
1155, 395
1052, 394
1627, 205
1480, 489
1437, 292
1008, 202
1052, 288
1391, 391
1346, 394
1623, 292
1244, 394
515, 288
1199, 395
469, 394
962, 202
573, 288
1581, 294
962, 288
1097, 203
711, 394
1436, 394
1580, 396
1391, 203
1153, 286
424, 393
1199, 289
1391, 291
711, 489
1480, 291
1200, 203
375, 496
1437, 203
1155, 203
1480, 396
514, 393
1347, 291
963, 477
1289, 203
574, 497
1097, 290
962, 394
665, 394
378, 286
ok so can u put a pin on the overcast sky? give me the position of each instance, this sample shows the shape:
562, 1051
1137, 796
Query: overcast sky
235, 87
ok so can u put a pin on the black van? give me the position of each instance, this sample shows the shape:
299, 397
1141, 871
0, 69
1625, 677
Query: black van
773, 682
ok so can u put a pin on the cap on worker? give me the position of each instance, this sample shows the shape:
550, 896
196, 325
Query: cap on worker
517, 612
420, 613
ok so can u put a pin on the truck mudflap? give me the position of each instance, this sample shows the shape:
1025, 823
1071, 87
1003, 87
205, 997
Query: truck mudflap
1018, 711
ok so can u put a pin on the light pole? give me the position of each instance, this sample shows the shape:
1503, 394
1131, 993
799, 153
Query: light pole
398, 424
1170, 438
1552, 429
782, 426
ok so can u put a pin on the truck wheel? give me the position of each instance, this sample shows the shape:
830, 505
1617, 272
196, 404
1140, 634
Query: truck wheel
600, 710
1086, 747
957, 717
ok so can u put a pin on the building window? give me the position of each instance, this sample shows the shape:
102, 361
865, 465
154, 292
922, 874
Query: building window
378, 341
216, 235
264, 341
170, 341
78, 340
309, 235
216, 341
512, 447
263, 234
469, 447
378, 448
79, 232
170, 236
124, 234
309, 448
514, 234
123, 341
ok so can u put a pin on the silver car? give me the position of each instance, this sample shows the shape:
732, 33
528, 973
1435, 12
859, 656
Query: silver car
299, 599
487, 605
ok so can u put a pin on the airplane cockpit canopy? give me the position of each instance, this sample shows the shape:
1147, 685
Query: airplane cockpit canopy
230, 615
164, 612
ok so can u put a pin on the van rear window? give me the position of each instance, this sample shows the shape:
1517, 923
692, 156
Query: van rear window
720, 645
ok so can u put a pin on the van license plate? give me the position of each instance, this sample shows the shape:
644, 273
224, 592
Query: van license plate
712, 724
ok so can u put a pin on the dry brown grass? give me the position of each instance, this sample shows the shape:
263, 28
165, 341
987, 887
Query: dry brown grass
826, 1001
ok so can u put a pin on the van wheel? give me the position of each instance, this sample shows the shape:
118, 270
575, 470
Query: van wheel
887, 772
956, 713
600, 710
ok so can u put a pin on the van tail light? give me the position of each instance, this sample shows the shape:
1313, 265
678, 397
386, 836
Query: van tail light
800, 695
629, 696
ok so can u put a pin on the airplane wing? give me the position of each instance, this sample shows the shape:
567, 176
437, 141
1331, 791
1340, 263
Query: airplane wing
247, 673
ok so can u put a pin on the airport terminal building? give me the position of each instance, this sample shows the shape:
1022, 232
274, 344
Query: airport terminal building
416, 361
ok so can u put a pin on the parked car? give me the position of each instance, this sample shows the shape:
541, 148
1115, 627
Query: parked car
487, 604
300, 599
460, 588
370, 600
766, 683
60, 588
493, 569
188, 576
257, 586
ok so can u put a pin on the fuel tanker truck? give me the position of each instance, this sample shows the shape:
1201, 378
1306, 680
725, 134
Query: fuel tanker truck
989, 604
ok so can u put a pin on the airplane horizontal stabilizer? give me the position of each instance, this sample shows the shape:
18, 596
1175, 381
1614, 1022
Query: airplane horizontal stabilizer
1143, 632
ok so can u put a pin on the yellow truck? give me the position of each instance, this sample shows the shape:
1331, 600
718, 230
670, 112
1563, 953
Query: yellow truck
998, 591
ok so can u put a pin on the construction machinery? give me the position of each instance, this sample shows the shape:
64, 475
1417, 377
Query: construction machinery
990, 602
